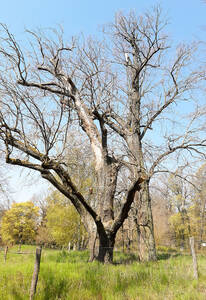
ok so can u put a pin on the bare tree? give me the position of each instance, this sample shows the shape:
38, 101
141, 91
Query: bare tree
153, 126
115, 91
40, 102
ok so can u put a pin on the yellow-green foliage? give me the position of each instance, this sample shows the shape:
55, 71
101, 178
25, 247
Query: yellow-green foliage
185, 223
19, 223
190, 218
179, 227
63, 223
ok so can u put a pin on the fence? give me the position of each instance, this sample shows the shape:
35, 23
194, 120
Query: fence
36, 267
37, 261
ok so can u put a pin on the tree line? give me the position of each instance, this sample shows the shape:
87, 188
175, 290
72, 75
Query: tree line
53, 222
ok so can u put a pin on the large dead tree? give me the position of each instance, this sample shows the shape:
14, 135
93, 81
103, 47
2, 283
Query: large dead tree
156, 124
151, 93
115, 91
40, 101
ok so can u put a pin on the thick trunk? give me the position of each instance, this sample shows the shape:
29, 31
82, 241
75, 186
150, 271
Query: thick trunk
145, 228
106, 248
137, 159
122, 238
107, 179
92, 246
92, 237
140, 255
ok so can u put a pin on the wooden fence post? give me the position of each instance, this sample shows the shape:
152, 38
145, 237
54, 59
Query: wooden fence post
69, 247
194, 258
5, 253
36, 272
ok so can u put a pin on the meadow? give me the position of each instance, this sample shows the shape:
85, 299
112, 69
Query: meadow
68, 276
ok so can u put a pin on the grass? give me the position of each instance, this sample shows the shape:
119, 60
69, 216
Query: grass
69, 276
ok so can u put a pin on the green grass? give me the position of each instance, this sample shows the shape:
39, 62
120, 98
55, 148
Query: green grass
69, 276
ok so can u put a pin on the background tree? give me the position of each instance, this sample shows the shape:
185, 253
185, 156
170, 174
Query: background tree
200, 202
184, 225
64, 225
19, 223
161, 214
184, 197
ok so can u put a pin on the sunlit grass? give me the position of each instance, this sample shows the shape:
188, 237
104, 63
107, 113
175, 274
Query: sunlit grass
68, 276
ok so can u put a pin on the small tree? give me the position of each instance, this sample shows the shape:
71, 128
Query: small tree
19, 224
185, 224
64, 225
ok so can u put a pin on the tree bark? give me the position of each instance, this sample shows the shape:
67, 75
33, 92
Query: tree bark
140, 255
145, 227
92, 246
106, 248
202, 222
194, 258
107, 230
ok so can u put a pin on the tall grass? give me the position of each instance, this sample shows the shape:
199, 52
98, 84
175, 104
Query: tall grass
68, 276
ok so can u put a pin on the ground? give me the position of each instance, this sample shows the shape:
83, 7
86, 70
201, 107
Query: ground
68, 276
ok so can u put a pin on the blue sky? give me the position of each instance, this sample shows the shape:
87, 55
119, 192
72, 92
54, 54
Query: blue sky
187, 22
187, 17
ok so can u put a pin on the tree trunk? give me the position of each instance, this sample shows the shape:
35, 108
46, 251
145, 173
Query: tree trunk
92, 246
106, 248
122, 238
202, 224
194, 258
147, 248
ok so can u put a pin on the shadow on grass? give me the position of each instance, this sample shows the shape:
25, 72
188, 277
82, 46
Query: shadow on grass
129, 258
125, 258
16, 295
164, 256
120, 258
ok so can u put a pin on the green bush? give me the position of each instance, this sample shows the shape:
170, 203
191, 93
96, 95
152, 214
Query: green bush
166, 249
